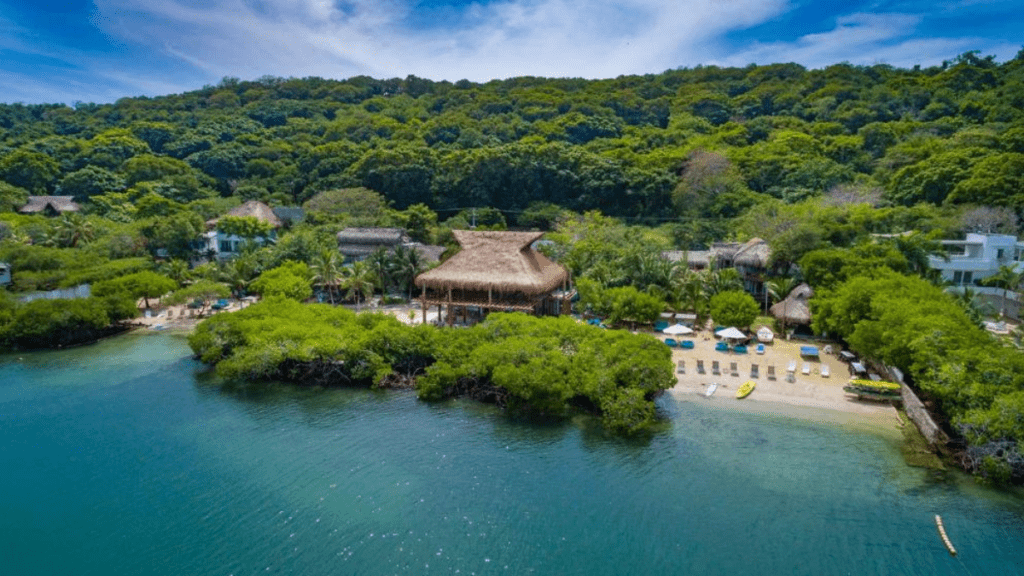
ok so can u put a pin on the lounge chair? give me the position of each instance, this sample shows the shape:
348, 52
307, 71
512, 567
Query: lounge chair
733, 369
791, 367
671, 342
807, 369
754, 371
722, 347
686, 344
760, 348
825, 372
771, 372
700, 367
715, 369
739, 349
681, 367
170, 313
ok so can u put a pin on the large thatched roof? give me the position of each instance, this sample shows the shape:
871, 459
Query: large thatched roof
255, 209
755, 253
58, 204
795, 309
496, 260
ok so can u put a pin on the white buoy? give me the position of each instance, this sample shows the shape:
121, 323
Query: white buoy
942, 533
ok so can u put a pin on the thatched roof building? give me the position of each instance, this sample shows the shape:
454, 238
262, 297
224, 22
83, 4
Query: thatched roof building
50, 205
496, 271
356, 243
754, 253
254, 209
795, 308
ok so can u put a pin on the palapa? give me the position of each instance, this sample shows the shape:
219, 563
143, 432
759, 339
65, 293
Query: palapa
254, 209
795, 308
492, 260
50, 205
755, 253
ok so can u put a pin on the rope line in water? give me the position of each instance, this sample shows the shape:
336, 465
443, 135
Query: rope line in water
942, 533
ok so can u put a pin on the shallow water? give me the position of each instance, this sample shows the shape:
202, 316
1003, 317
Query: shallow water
128, 458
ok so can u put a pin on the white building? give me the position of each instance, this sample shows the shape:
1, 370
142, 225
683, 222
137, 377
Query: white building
978, 256
221, 245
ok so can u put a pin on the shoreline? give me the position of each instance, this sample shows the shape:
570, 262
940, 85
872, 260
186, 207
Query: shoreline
809, 397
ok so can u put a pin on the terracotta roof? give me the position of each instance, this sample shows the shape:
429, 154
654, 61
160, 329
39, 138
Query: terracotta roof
796, 308
255, 209
500, 260
58, 204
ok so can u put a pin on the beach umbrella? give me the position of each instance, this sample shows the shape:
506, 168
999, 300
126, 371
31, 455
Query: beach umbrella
731, 333
677, 329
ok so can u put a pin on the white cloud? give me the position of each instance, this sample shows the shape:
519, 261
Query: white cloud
536, 37
864, 39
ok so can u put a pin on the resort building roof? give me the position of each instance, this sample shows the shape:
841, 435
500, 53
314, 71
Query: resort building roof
502, 261
254, 209
50, 205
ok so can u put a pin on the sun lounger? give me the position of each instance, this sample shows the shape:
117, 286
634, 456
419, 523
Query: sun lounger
825, 372
807, 369
681, 367
686, 344
760, 348
671, 342
754, 371
739, 349
722, 347
791, 367
700, 367
771, 372
734, 369
715, 369
170, 313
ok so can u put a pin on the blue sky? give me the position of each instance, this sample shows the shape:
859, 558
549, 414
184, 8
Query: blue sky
102, 50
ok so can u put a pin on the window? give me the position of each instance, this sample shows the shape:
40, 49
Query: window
958, 277
968, 277
1000, 253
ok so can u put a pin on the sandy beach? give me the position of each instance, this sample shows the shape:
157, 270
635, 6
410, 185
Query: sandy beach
810, 391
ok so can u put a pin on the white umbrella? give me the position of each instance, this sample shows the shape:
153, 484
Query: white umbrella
677, 329
731, 334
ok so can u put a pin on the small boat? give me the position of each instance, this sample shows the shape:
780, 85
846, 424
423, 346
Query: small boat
711, 389
746, 389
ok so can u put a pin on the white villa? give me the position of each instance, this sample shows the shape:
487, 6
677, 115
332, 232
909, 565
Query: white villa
222, 245
978, 256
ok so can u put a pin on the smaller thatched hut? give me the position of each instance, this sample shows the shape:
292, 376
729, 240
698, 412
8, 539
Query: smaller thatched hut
50, 205
358, 243
496, 271
795, 308
254, 209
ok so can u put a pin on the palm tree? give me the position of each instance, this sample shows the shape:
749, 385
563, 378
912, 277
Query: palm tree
176, 270
778, 289
360, 280
380, 261
408, 264
971, 302
239, 272
1007, 278
326, 271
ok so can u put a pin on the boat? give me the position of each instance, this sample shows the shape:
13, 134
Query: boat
711, 389
871, 390
746, 389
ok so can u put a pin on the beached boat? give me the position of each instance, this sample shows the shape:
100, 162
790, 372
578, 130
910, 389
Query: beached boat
746, 389
711, 389
873, 390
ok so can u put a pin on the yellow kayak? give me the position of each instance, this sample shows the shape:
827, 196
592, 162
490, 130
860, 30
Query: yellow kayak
746, 389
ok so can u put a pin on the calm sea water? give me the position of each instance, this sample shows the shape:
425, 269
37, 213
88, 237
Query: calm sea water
128, 458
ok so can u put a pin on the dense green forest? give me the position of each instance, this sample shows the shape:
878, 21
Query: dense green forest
816, 162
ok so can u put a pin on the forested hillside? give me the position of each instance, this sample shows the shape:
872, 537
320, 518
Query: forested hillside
831, 167
694, 143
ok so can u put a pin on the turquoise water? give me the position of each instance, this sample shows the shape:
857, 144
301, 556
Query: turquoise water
128, 458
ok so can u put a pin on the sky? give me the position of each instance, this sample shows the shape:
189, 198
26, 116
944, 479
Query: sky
101, 50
